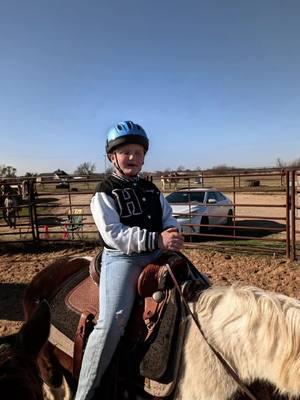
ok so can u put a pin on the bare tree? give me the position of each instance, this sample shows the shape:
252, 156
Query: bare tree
109, 170
86, 168
280, 163
291, 164
7, 171
295, 163
30, 174
222, 168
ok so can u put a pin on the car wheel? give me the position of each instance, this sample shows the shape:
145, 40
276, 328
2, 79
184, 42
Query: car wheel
229, 222
229, 218
204, 229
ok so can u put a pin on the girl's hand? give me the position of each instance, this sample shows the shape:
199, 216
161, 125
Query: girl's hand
170, 239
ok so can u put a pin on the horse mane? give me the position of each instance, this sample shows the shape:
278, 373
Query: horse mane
247, 325
282, 313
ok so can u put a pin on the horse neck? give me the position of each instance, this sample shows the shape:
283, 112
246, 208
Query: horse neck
253, 331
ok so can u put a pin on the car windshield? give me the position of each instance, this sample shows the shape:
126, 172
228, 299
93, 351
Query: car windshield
185, 197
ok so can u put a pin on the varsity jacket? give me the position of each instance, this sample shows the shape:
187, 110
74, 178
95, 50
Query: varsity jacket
130, 214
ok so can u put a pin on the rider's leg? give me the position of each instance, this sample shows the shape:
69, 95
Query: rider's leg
118, 280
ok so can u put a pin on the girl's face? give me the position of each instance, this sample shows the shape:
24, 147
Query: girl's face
130, 158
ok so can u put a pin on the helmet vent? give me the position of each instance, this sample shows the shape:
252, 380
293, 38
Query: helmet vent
120, 127
129, 124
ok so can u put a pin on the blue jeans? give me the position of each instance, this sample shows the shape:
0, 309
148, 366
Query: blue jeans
118, 281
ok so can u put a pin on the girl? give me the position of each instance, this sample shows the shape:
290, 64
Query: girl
135, 224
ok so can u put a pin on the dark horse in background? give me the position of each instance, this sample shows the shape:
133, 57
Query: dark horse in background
258, 332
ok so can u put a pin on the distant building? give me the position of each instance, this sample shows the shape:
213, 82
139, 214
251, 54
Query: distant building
59, 174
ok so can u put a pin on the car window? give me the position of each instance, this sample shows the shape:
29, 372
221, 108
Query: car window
197, 196
220, 196
185, 197
211, 195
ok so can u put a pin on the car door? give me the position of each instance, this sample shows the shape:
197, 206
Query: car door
213, 209
224, 207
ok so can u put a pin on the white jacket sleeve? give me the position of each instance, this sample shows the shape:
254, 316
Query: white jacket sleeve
117, 235
168, 220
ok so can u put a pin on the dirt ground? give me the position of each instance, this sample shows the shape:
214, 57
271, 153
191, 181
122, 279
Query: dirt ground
18, 268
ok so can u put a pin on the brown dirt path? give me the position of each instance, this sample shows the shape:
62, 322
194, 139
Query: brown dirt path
17, 269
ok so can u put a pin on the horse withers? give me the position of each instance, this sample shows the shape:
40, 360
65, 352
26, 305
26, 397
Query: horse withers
257, 332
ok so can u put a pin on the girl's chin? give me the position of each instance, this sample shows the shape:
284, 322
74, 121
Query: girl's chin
132, 171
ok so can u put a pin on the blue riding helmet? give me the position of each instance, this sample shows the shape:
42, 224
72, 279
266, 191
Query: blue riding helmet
126, 132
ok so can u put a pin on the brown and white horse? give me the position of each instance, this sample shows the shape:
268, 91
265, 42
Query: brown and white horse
256, 331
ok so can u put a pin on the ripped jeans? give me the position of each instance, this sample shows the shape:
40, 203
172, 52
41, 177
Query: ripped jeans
118, 280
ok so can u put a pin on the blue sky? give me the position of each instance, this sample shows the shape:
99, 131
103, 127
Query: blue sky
212, 82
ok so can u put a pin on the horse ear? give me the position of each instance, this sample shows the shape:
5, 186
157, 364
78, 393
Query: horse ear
35, 332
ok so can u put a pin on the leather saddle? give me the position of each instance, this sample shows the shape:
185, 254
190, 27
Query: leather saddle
157, 322
157, 318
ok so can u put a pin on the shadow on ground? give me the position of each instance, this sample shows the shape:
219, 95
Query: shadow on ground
50, 221
11, 294
41, 200
243, 229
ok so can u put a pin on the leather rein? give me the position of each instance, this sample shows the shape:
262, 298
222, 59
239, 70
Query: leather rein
224, 363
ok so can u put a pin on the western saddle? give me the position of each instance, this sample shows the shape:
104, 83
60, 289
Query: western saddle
158, 316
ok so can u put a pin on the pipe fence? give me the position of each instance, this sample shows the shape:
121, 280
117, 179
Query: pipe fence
265, 217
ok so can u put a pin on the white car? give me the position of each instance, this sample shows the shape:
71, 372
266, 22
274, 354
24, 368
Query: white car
207, 206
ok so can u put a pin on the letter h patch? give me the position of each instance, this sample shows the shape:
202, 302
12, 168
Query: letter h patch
128, 202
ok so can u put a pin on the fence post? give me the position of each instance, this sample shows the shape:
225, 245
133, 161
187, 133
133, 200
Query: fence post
293, 216
287, 214
33, 213
234, 206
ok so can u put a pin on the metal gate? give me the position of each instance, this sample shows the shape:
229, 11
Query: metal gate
293, 212
36, 208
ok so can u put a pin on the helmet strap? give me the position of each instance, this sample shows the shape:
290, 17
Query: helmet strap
117, 166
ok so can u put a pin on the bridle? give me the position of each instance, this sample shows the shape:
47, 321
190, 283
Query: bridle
219, 356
